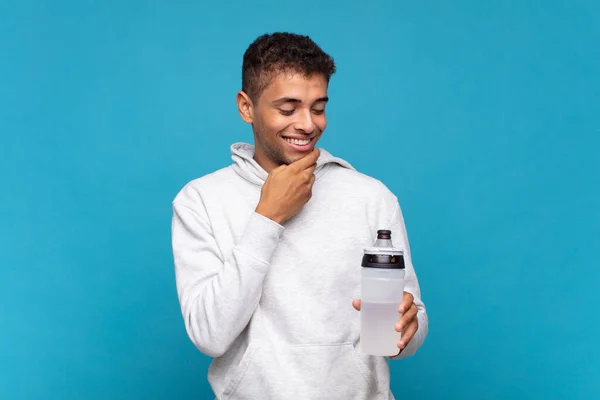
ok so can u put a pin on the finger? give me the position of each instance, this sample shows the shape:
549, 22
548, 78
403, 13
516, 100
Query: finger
407, 301
307, 161
310, 171
356, 304
395, 355
407, 317
310, 177
315, 154
407, 334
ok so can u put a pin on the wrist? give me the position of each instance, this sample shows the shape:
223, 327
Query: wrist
270, 215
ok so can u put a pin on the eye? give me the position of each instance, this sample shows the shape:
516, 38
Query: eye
318, 112
286, 112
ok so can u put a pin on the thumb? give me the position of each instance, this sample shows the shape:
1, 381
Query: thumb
356, 304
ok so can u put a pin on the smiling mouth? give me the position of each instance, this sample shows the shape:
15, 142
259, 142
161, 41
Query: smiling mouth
298, 142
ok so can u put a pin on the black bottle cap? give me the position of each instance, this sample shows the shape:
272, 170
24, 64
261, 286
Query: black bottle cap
388, 261
384, 234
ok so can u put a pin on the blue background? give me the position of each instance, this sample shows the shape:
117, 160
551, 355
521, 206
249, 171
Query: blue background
487, 115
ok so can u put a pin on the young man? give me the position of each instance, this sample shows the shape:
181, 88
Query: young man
267, 251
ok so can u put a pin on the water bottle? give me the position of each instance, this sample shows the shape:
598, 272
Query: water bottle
382, 289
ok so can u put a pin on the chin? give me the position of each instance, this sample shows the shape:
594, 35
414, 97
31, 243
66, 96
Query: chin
293, 156
293, 159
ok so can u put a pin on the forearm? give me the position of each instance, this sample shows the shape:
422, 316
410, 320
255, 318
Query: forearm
218, 297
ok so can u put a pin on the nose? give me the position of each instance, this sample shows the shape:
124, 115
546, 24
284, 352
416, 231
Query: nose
304, 122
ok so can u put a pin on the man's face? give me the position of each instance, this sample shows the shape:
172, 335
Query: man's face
288, 119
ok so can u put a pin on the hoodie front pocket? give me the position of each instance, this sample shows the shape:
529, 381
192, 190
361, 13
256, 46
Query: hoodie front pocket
366, 371
238, 372
309, 372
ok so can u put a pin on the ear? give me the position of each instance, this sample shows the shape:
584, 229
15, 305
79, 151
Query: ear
245, 107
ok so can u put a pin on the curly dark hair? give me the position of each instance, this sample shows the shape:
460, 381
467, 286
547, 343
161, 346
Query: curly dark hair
279, 52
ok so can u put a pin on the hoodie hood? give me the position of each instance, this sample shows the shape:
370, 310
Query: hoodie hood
245, 166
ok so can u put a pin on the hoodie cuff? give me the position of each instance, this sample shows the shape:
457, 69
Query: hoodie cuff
260, 238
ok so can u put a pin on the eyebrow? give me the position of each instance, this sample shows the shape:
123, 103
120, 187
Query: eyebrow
294, 100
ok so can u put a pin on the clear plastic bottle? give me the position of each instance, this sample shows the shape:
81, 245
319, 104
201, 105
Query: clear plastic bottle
382, 288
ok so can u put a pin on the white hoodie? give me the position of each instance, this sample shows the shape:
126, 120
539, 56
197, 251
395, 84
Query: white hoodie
273, 304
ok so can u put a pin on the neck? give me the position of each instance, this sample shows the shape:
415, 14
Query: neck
265, 162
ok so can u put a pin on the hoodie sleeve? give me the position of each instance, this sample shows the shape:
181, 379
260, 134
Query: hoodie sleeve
411, 284
218, 293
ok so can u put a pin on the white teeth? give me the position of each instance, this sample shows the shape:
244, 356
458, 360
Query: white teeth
297, 141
